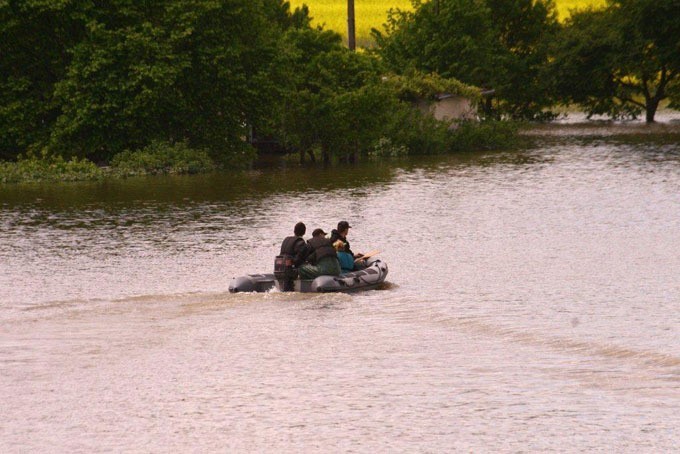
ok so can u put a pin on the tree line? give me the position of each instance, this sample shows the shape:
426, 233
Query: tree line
620, 60
97, 79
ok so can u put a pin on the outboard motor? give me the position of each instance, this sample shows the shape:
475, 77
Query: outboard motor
285, 272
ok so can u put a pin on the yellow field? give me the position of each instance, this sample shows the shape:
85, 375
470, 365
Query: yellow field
373, 13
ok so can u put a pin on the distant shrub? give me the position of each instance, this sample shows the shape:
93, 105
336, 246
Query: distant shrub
419, 133
48, 168
417, 85
386, 148
162, 158
485, 135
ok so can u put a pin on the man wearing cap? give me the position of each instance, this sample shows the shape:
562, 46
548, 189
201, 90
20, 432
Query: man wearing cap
341, 234
322, 257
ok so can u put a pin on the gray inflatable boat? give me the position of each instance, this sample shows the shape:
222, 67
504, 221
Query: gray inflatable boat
369, 278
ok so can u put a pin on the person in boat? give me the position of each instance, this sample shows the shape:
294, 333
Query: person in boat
295, 246
292, 255
322, 258
345, 258
340, 234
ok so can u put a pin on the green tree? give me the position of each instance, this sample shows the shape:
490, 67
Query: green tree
358, 119
120, 92
620, 60
335, 101
92, 79
495, 44
298, 116
189, 69
35, 38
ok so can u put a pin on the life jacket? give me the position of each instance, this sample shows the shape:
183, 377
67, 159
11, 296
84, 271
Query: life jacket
284, 263
291, 245
321, 247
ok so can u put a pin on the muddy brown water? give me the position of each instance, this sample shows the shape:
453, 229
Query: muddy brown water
533, 304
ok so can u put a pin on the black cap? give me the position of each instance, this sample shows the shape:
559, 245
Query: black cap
342, 225
318, 232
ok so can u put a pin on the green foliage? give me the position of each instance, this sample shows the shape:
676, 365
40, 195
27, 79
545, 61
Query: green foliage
427, 136
486, 135
418, 132
162, 158
415, 85
358, 119
620, 60
93, 79
493, 44
344, 104
386, 148
156, 158
336, 102
584, 55
187, 82
48, 168
35, 37
371, 13
118, 92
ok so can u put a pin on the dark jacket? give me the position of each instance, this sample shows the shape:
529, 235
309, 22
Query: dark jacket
295, 247
335, 236
318, 248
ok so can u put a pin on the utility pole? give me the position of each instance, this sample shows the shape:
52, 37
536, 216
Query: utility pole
351, 29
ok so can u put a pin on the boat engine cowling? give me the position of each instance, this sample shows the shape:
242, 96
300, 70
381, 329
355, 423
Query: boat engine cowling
285, 272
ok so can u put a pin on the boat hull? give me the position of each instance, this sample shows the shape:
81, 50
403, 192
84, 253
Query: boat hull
373, 276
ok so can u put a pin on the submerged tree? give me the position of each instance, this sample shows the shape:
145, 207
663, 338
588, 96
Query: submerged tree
334, 102
620, 60
343, 104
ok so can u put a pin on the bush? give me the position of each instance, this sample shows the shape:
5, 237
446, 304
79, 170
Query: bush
419, 133
162, 158
485, 135
386, 148
48, 168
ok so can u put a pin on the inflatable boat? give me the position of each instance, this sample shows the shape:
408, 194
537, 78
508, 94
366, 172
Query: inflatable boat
369, 278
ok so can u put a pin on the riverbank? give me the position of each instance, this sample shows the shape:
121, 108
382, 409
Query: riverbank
156, 159
576, 124
161, 158
179, 159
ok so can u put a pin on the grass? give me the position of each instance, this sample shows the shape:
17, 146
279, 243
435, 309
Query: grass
373, 13
159, 158
48, 168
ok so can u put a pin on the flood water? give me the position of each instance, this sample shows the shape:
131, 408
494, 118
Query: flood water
532, 305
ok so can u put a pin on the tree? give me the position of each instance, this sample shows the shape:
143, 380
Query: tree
92, 79
120, 92
499, 44
35, 38
335, 102
185, 69
620, 60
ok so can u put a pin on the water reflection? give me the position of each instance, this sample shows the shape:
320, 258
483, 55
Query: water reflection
185, 190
